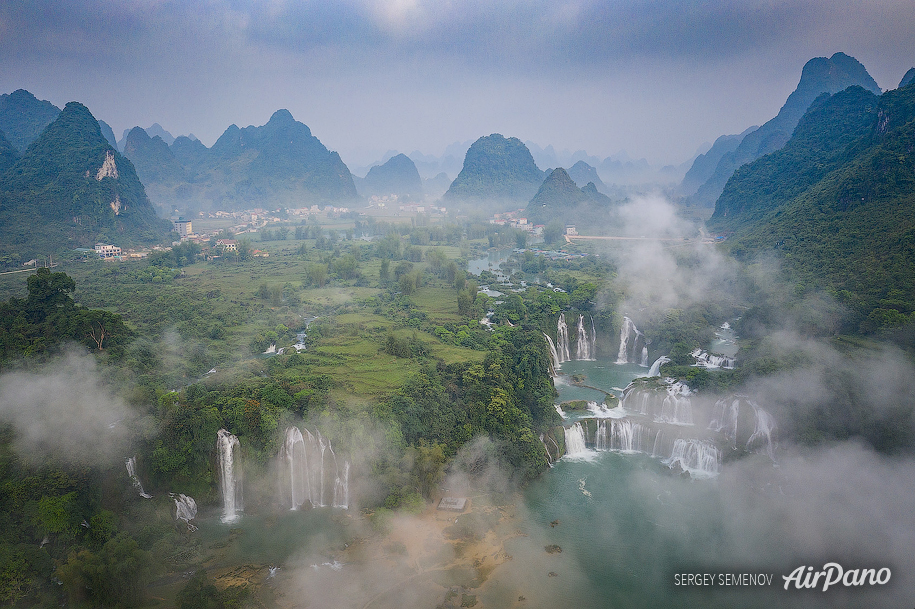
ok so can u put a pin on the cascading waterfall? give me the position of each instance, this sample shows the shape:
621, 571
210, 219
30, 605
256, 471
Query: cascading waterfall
131, 463
310, 471
230, 474
670, 406
585, 340
633, 348
622, 435
655, 369
555, 363
695, 456
727, 421
185, 509
575, 440
708, 360
562, 339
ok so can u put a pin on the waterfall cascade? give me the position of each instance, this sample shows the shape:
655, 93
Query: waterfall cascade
585, 340
633, 346
228, 459
695, 457
727, 420
131, 463
555, 362
655, 369
575, 440
709, 360
310, 471
623, 435
562, 339
185, 509
670, 406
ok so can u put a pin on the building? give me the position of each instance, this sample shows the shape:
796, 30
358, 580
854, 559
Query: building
571, 230
107, 252
183, 227
230, 245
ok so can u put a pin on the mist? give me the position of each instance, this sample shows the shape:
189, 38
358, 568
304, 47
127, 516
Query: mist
63, 412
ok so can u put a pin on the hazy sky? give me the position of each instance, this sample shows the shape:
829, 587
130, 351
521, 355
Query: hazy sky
655, 78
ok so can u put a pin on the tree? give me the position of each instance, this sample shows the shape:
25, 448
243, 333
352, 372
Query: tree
552, 232
101, 328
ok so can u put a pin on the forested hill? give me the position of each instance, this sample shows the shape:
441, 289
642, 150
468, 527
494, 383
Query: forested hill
820, 75
278, 164
497, 168
23, 117
72, 189
837, 204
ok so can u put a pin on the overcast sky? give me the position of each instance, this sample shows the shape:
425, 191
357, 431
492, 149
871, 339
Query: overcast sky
655, 78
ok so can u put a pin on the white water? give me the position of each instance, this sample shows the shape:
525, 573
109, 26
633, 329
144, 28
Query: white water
131, 463
575, 440
699, 458
555, 363
185, 509
669, 406
560, 411
655, 369
600, 411
727, 421
307, 461
584, 342
562, 339
633, 348
228, 459
709, 360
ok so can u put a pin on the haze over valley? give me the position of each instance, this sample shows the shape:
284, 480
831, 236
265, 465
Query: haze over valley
512, 305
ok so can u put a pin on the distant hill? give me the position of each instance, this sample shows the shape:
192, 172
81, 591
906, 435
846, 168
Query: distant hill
704, 165
559, 198
837, 204
71, 189
398, 175
907, 78
820, 75
280, 164
23, 117
582, 173
108, 132
496, 169
437, 186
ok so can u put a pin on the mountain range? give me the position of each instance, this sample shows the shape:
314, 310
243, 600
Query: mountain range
819, 75
71, 188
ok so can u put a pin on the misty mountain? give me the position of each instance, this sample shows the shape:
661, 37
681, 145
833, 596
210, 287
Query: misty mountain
582, 173
907, 78
398, 175
23, 117
8, 154
153, 130
108, 132
837, 203
819, 75
278, 164
154, 161
70, 189
704, 165
437, 186
549, 157
496, 168
559, 198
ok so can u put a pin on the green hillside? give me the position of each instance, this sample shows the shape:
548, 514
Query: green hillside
497, 168
71, 189
837, 205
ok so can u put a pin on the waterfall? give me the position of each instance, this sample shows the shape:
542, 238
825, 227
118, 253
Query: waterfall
727, 418
585, 340
575, 440
296, 460
655, 369
562, 339
669, 406
695, 457
341, 488
185, 509
549, 457
310, 471
633, 347
555, 362
131, 463
622, 435
230, 474
708, 360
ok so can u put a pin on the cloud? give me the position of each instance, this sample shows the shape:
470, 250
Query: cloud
64, 412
